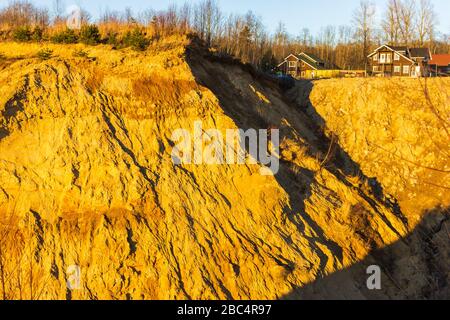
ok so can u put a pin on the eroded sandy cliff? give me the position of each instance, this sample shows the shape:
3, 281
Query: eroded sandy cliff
87, 179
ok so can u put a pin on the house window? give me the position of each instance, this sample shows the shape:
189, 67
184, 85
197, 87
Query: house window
375, 57
397, 69
396, 57
405, 69
375, 68
383, 58
388, 58
292, 64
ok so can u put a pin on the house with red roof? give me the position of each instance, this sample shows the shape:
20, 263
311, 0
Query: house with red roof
439, 65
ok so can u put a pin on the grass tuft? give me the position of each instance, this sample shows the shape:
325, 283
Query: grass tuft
45, 54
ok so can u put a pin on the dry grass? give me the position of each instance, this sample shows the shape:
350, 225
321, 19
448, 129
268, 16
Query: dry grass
95, 81
21, 274
156, 88
396, 129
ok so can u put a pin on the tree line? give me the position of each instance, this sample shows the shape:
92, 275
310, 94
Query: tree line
404, 22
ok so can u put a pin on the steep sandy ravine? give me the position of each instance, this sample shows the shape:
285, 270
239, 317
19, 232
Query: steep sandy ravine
423, 255
397, 130
87, 179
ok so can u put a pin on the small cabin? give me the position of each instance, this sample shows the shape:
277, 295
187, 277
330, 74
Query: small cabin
306, 66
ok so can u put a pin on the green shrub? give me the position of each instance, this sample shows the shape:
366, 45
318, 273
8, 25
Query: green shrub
67, 36
90, 35
111, 39
38, 34
45, 54
136, 39
22, 34
80, 54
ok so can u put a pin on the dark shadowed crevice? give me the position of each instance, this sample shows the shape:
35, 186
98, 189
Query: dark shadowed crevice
418, 270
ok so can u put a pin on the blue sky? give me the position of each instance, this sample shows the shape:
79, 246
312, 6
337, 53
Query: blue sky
296, 14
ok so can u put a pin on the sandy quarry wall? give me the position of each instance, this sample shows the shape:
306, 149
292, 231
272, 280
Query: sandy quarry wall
397, 129
87, 179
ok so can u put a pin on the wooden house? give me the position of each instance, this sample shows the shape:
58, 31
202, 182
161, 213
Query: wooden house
306, 66
399, 61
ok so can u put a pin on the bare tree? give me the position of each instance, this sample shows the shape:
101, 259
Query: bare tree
185, 14
305, 38
232, 28
363, 20
208, 20
405, 13
24, 13
390, 23
58, 10
344, 48
109, 16
281, 41
329, 43
256, 38
426, 22
129, 16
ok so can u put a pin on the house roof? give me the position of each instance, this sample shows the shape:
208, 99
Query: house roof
441, 60
312, 57
315, 63
399, 48
312, 60
285, 59
383, 46
419, 52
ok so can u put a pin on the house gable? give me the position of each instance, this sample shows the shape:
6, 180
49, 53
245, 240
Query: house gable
389, 49
290, 57
309, 63
378, 49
